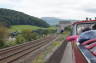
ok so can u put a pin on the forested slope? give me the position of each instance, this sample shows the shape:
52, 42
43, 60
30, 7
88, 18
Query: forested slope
12, 17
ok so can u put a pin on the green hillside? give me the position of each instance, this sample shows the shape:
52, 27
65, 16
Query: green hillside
23, 27
11, 17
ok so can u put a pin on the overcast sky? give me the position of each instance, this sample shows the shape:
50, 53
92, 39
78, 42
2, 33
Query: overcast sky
66, 9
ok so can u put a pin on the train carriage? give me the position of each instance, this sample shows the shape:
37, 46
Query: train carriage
85, 52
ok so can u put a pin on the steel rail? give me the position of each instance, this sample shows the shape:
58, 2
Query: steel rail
9, 55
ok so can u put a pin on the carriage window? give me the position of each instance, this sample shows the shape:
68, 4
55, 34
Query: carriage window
82, 26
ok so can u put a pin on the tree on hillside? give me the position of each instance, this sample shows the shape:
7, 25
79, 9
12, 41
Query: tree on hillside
12, 17
68, 28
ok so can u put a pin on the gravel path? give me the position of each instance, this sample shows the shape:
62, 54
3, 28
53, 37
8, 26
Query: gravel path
68, 55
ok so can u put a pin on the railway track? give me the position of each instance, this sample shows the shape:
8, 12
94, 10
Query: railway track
12, 54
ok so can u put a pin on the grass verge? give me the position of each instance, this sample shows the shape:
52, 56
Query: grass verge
41, 58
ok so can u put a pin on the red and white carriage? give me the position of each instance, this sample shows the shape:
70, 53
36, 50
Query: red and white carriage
85, 52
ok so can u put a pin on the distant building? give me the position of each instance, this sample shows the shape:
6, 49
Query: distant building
62, 25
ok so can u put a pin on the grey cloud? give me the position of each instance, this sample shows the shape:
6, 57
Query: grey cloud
91, 10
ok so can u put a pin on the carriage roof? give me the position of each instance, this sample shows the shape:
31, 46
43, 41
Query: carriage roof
86, 21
